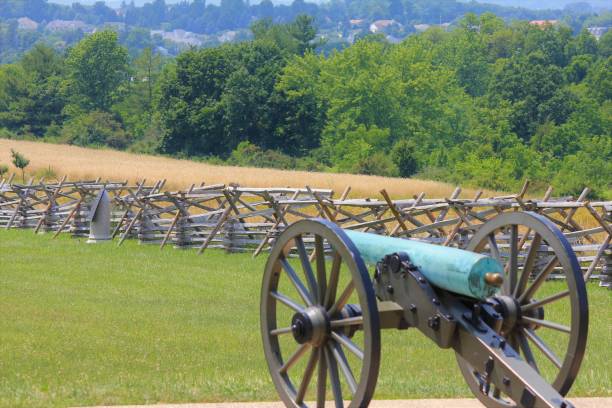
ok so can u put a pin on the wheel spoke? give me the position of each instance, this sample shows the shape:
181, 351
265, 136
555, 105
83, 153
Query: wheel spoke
322, 379
539, 343
528, 265
287, 301
348, 343
548, 324
513, 342
278, 332
334, 378
344, 367
494, 250
349, 321
545, 301
334, 275
527, 352
321, 275
310, 278
512, 266
310, 367
297, 283
344, 297
294, 358
539, 280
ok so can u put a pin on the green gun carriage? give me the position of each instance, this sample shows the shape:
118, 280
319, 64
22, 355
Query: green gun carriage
518, 335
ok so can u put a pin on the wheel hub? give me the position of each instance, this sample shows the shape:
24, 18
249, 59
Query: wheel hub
510, 310
311, 326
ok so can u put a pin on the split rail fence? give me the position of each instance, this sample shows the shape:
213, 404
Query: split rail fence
240, 219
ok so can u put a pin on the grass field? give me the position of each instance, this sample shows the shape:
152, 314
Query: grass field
78, 163
96, 324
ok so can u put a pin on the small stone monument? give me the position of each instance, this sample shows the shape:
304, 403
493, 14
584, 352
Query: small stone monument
100, 218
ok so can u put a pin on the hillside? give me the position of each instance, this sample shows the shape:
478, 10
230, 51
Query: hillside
81, 163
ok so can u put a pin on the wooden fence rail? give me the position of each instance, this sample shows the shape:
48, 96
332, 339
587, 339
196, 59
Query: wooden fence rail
240, 219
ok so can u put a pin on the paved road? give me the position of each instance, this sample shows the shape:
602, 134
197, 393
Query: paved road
423, 403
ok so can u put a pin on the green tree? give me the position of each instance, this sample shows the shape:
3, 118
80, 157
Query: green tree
586, 168
136, 108
605, 44
97, 66
297, 37
30, 91
3, 170
301, 110
599, 79
583, 44
213, 99
20, 161
304, 32
527, 83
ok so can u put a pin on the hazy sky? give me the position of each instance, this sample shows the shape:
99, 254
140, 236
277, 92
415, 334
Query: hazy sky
534, 4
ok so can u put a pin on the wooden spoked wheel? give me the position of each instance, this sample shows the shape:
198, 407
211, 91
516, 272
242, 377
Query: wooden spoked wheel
543, 298
319, 318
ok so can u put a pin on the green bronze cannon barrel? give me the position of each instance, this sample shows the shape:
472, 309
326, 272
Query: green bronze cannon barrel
463, 272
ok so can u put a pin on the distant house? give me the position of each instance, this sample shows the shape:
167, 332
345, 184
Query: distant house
597, 32
66, 25
227, 36
380, 25
544, 23
25, 23
421, 27
357, 22
180, 37
113, 25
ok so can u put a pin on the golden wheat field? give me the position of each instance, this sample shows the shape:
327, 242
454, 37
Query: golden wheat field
85, 163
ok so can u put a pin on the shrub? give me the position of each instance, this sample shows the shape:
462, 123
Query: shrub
378, 164
404, 156
95, 128
46, 172
248, 154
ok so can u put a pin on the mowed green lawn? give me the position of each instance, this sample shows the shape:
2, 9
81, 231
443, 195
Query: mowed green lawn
97, 324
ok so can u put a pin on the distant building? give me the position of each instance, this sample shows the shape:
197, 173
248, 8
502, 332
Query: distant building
357, 22
421, 27
113, 25
597, 32
66, 25
180, 37
228, 36
162, 51
380, 25
25, 23
544, 23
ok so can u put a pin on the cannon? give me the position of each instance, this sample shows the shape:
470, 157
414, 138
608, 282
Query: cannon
519, 336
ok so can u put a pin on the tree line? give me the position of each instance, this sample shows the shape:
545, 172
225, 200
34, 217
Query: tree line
488, 103
206, 18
